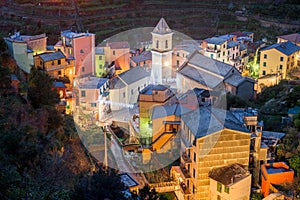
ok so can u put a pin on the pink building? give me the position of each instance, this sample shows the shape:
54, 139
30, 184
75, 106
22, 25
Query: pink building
81, 47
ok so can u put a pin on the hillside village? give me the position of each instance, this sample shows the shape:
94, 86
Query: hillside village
162, 104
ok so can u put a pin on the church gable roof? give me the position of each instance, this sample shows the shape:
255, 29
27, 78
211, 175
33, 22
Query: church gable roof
162, 27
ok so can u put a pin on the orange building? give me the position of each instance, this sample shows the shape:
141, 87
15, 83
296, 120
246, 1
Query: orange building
275, 174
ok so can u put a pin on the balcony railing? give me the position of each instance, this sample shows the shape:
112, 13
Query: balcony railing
186, 158
184, 189
185, 172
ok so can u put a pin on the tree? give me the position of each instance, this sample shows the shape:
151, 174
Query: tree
40, 90
293, 96
148, 194
5, 81
101, 185
295, 163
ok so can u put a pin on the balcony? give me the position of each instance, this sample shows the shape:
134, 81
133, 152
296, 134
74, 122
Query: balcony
186, 158
184, 172
184, 189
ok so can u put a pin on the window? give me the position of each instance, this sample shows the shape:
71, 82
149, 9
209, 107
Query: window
177, 63
81, 51
264, 64
124, 95
218, 55
194, 173
131, 91
194, 189
100, 66
157, 44
215, 47
82, 93
195, 157
52, 63
263, 72
93, 104
223, 45
281, 58
219, 187
265, 56
212, 55
114, 52
177, 53
226, 189
58, 62
167, 44
82, 69
100, 57
223, 53
41, 62
59, 72
280, 66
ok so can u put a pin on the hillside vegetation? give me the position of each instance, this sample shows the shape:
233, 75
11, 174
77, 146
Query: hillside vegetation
198, 19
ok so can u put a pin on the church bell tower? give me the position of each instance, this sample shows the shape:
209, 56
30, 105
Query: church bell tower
161, 52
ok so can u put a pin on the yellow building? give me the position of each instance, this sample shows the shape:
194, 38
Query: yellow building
232, 182
279, 58
149, 97
217, 140
56, 64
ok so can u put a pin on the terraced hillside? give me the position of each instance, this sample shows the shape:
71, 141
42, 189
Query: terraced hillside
198, 19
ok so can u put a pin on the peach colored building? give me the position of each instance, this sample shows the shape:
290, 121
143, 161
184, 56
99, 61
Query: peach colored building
231, 182
275, 174
294, 38
92, 96
119, 53
81, 47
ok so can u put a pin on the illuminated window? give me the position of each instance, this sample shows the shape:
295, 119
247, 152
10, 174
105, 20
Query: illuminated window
219, 187
226, 189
